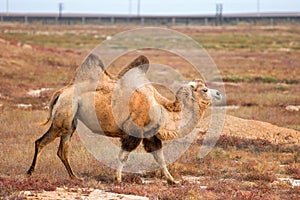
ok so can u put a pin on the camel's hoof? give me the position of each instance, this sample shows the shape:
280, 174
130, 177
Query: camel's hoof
118, 181
80, 179
29, 172
172, 182
75, 178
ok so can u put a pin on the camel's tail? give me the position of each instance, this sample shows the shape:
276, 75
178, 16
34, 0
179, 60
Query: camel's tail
52, 103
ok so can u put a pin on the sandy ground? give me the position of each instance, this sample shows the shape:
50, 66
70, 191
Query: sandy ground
252, 129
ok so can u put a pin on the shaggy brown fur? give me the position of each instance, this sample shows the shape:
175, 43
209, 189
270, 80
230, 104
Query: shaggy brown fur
90, 91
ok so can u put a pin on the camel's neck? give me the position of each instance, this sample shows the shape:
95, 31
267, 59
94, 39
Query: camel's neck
186, 118
190, 117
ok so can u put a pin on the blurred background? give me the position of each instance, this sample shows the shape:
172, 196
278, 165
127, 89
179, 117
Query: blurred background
147, 7
149, 12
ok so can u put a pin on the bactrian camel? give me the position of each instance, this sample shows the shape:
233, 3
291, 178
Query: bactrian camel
152, 118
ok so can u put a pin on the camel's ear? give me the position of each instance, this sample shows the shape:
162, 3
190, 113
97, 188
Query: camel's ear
200, 81
141, 62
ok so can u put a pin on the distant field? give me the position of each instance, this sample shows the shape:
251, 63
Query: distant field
261, 70
263, 62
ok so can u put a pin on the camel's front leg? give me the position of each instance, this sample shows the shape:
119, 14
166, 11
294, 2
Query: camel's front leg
129, 144
159, 158
153, 145
123, 156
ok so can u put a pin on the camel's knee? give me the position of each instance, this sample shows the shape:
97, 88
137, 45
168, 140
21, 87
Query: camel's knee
42, 141
47, 138
39, 144
152, 144
63, 148
61, 153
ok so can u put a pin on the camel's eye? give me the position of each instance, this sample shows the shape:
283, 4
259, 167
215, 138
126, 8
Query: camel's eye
204, 90
193, 87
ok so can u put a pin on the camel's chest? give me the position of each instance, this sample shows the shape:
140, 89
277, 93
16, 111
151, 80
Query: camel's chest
171, 128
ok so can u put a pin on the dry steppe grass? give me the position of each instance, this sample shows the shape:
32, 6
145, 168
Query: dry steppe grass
262, 72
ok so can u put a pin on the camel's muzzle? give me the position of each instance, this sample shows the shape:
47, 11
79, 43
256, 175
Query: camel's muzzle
216, 94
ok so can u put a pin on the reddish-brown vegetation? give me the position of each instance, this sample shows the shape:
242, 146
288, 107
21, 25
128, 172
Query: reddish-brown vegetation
259, 64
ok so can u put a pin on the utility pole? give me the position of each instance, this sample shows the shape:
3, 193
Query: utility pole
7, 7
138, 7
219, 13
258, 8
129, 8
60, 9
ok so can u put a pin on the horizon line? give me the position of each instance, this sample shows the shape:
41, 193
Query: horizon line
77, 14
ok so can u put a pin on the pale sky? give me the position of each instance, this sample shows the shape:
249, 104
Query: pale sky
150, 7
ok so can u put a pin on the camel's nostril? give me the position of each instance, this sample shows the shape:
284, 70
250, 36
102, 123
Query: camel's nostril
218, 95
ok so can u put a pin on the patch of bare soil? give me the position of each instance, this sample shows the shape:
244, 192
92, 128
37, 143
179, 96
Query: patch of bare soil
252, 129
80, 193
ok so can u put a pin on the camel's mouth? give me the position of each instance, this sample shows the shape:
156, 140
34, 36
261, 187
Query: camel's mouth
214, 95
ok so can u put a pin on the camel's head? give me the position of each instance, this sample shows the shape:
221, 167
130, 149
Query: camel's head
202, 93
197, 91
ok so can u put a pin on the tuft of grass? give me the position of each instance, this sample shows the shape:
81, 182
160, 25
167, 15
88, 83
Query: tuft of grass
267, 79
281, 87
294, 171
233, 78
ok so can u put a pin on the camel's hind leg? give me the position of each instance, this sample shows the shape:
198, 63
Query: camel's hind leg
154, 146
47, 138
128, 144
63, 153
